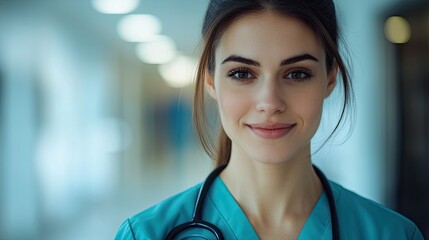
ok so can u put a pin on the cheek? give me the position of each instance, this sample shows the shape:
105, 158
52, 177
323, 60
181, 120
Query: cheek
309, 107
314, 112
232, 106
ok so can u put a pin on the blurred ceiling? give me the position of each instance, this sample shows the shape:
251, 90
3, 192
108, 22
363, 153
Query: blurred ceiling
181, 19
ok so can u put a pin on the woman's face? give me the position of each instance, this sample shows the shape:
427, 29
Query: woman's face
270, 81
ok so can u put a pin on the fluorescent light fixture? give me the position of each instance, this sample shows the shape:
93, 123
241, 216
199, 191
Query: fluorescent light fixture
179, 72
397, 30
115, 6
161, 49
139, 27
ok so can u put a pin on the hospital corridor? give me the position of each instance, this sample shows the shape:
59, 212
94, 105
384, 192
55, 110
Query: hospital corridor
96, 111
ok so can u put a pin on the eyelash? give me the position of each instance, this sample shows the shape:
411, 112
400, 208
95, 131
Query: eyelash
231, 74
241, 70
307, 74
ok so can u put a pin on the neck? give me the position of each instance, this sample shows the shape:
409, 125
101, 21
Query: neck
273, 193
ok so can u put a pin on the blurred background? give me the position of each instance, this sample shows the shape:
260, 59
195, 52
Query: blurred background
95, 111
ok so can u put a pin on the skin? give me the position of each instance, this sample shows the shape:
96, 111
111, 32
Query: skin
270, 173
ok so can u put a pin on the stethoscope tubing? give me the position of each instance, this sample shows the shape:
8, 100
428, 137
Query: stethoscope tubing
331, 201
197, 220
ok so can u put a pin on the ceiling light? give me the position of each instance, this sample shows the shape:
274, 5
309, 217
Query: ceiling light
160, 50
397, 30
115, 6
179, 72
139, 27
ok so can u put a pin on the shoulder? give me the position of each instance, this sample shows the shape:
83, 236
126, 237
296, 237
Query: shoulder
156, 221
367, 219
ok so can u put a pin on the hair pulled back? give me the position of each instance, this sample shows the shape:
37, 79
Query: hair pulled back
320, 15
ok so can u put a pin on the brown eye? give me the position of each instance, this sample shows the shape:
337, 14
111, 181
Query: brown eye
240, 74
299, 75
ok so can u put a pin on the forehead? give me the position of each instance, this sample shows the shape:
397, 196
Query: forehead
268, 34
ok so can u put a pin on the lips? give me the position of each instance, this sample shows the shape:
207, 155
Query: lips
271, 130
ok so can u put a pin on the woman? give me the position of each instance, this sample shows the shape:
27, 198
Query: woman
269, 65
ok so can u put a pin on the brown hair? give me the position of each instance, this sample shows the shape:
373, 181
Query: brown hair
318, 14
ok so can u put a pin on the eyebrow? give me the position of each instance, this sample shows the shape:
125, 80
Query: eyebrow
235, 58
288, 61
298, 58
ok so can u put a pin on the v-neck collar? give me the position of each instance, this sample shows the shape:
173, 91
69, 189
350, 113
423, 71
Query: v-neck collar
317, 226
232, 214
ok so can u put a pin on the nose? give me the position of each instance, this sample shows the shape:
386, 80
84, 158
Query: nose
270, 98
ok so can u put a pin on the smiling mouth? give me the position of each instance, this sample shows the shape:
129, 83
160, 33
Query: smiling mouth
271, 131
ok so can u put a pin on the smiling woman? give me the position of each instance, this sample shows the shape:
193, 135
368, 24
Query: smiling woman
269, 65
271, 93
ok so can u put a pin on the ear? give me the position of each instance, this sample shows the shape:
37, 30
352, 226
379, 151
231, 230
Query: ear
209, 84
332, 79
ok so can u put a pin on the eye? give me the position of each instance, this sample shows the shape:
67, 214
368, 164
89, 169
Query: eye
299, 75
240, 74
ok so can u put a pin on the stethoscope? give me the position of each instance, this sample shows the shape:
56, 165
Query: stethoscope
198, 222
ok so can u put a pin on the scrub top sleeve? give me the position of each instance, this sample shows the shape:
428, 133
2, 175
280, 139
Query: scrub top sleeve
125, 232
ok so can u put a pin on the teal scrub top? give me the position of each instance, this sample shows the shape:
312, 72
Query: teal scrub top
359, 218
